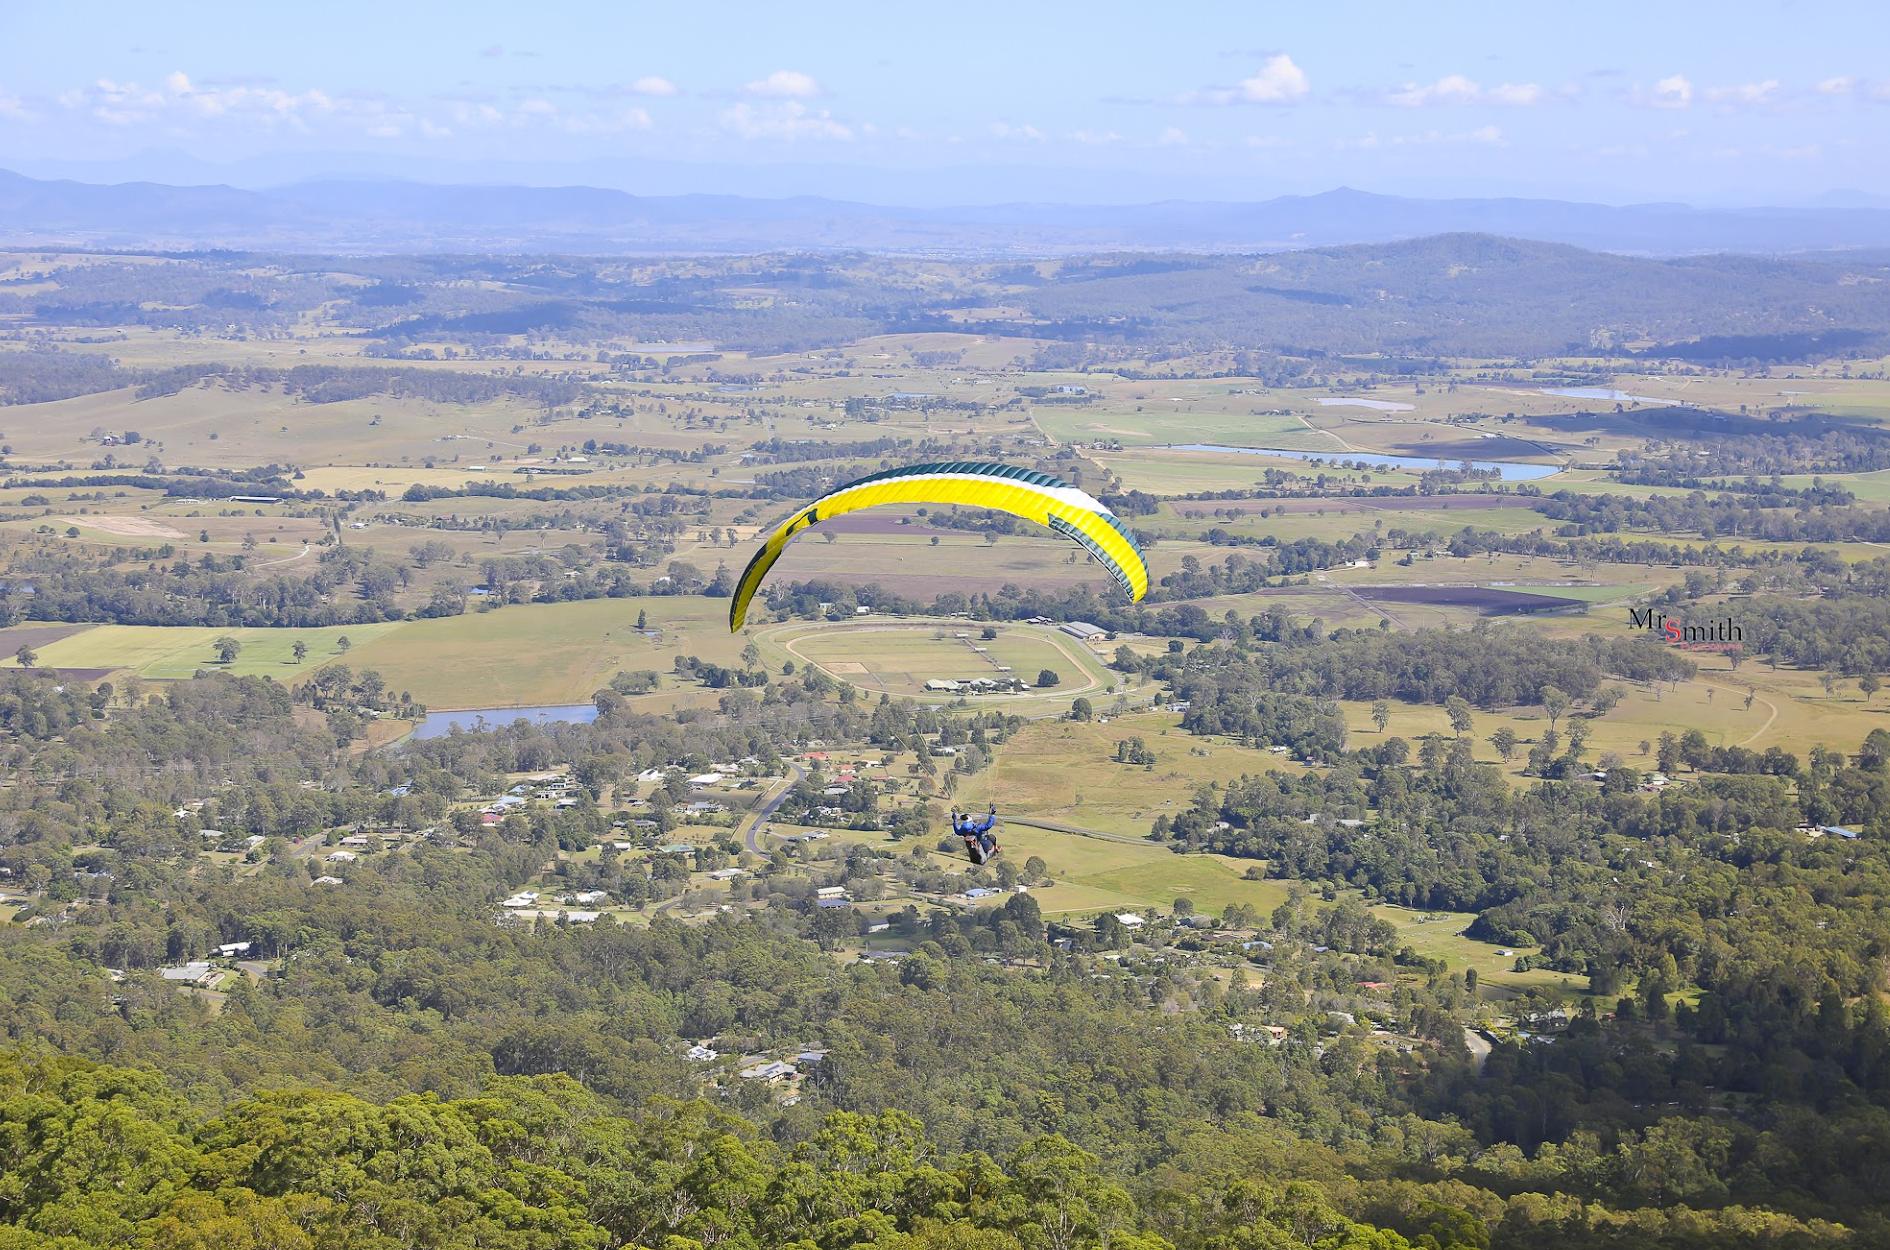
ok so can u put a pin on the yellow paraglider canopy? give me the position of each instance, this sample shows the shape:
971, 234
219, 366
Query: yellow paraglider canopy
975, 483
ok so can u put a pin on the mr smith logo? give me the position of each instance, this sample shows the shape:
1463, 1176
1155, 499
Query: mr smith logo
1679, 633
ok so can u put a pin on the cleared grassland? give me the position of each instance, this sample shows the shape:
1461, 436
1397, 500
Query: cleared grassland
164, 652
545, 653
1439, 935
1065, 771
217, 427
899, 659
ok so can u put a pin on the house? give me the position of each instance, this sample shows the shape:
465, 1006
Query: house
326, 881
580, 917
677, 848
230, 950
196, 972
342, 857
727, 874
830, 904
706, 779
980, 892
1083, 630
704, 807
1129, 920
704, 1054
591, 896
522, 899
771, 1072
354, 839
1838, 831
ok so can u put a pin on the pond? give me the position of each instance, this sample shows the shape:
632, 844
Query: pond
472, 720
1508, 470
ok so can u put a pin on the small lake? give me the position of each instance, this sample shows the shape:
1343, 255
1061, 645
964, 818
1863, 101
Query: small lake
1605, 393
472, 720
1357, 401
1508, 470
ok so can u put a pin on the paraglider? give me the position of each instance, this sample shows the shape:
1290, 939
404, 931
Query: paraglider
1023, 493
980, 843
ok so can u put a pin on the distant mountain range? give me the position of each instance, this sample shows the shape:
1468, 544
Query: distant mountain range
393, 216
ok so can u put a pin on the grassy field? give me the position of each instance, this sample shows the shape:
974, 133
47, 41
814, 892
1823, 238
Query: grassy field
545, 653
174, 652
1064, 771
900, 659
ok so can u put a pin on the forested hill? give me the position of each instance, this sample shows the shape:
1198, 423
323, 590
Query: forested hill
395, 216
1469, 294
1457, 294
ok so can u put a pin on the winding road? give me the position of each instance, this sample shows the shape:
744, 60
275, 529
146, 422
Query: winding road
766, 811
269, 564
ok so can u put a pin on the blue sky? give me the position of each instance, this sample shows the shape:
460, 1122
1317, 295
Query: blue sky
970, 102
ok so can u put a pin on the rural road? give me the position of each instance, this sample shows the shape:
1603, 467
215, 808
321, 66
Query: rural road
1057, 826
766, 811
268, 564
1478, 1046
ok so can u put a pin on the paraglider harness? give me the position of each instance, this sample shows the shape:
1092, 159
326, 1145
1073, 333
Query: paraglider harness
980, 843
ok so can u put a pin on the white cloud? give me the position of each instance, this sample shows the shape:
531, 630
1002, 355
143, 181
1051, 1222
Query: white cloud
1843, 84
1266, 141
538, 108
789, 119
1025, 133
1173, 137
1673, 92
1744, 93
785, 84
1450, 89
1488, 136
654, 85
129, 103
13, 106
1521, 94
607, 123
475, 113
1096, 138
1278, 82
1458, 89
